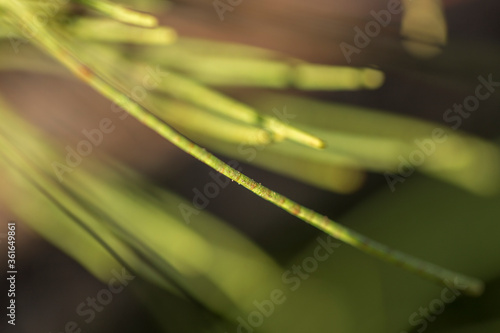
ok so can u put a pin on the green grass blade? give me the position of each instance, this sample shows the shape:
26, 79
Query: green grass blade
132, 219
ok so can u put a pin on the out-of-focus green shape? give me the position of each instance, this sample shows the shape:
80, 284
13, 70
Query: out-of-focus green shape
189, 118
322, 77
141, 223
150, 6
260, 69
104, 30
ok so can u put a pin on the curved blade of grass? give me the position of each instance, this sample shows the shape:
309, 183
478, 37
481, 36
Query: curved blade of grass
47, 40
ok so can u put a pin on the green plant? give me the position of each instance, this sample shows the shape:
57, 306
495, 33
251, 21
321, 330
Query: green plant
184, 98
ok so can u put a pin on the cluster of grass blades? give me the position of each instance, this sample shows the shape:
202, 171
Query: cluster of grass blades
185, 99
87, 216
